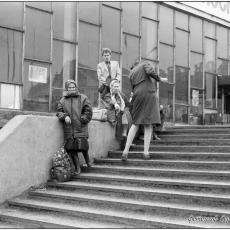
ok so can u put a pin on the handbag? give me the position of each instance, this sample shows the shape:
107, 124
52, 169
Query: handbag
99, 114
61, 174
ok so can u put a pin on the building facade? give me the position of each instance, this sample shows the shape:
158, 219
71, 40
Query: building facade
42, 44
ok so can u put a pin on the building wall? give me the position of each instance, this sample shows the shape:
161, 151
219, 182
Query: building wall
46, 43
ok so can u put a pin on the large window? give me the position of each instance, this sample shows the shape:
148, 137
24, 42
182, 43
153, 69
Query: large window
149, 39
210, 55
181, 20
11, 56
166, 91
166, 25
38, 35
222, 42
210, 91
89, 12
196, 34
181, 48
149, 10
196, 66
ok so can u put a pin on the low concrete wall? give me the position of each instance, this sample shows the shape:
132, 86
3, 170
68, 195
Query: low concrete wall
27, 144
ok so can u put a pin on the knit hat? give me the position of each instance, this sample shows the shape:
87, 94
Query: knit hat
69, 82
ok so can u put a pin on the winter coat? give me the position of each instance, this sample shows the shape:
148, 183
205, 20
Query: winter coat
79, 109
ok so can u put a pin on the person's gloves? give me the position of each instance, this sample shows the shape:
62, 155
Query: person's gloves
67, 120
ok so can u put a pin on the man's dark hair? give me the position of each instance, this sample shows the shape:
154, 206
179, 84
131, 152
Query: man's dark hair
105, 50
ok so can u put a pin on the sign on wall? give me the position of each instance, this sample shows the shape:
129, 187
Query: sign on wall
37, 74
218, 9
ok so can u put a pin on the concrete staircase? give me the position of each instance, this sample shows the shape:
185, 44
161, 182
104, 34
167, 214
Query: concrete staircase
186, 184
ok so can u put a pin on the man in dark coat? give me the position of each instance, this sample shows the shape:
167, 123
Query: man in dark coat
74, 109
144, 104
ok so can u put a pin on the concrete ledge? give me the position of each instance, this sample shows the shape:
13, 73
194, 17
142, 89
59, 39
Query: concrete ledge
27, 144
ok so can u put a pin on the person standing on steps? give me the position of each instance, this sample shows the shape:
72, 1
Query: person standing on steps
106, 71
144, 105
74, 109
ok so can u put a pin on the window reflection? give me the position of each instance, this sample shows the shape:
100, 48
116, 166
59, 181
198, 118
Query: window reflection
89, 12
210, 55
181, 48
35, 93
64, 63
11, 55
37, 38
181, 95
210, 91
181, 114
196, 106
88, 84
196, 65
222, 37
56, 97
166, 25
131, 17
166, 91
111, 29
149, 39
11, 14
222, 67
64, 20
88, 45
196, 34
149, 10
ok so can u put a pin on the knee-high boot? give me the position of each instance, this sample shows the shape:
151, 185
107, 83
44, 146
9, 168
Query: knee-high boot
76, 163
87, 159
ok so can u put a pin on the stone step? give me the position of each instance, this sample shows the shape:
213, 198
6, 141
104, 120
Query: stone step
179, 127
186, 148
192, 142
170, 164
169, 155
192, 136
197, 131
159, 172
141, 193
120, 194
159, 182
152, 216
42, 218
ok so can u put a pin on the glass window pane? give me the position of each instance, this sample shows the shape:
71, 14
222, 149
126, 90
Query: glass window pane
196, 106
131, 16
111, 29
64, 20
222, 67
166, 91
196, 65
181, 114
181, 20
210, 63
56, 97
40, 5
89, 12
210, 91
181, 95
222, 42
114, 4
88, 45
130, 52
209, 29
149, 10
64, 63
196, 34
37, 38
181, 48
88, 85
11, 55
166, 25
7, 9
149, 39
10, 96
36, 94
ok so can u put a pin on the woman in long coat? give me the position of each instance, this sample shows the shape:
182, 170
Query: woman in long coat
144, 104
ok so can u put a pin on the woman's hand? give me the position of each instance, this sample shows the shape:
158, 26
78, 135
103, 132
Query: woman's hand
67, 120
117, 107
164, 80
